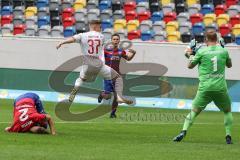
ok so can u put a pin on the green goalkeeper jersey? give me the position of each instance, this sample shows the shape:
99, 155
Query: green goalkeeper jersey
211, 68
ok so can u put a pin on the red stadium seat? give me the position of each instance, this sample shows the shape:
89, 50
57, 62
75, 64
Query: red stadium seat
171, 16
220, 9
67, 12
6, 19
19, 29
134, 35
144, 16
129, 6
231, 2
235, 20
69, 21
225, 29
196, 18
131, 15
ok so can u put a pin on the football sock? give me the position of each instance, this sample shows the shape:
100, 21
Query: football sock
189, 120
228, 119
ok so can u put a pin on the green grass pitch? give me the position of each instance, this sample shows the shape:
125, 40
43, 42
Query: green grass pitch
129, 137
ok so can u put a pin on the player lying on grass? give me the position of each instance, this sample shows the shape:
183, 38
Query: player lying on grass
211, 61
92, 47
29, 116
112, 58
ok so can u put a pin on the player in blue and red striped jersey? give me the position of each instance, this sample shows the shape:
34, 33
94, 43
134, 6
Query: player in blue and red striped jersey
29, 115
112, 57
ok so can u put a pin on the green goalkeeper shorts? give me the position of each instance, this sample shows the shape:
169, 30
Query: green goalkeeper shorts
220, 98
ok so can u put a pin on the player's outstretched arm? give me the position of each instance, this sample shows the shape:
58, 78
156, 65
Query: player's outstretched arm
68, 40
51, 124
130, 54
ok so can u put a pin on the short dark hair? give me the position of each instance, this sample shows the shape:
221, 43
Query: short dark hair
211, 36
115, 34
96, 21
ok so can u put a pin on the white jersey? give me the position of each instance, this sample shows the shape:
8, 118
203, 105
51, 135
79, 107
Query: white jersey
91, 43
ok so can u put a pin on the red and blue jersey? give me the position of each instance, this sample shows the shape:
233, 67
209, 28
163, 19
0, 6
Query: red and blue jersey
113, 56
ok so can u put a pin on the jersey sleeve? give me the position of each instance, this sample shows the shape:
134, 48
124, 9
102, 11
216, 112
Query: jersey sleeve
78, 37
227, 54
197, 58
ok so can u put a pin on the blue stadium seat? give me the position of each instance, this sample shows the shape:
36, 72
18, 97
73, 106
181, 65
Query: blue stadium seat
237, 40
146, 36
138, 1
198, 28
69, 31
157, 16
42, 3
6, 10
45, 20
107, 23
207, 8
104, 5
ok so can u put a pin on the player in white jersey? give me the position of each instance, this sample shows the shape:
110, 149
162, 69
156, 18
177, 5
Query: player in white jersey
92, 48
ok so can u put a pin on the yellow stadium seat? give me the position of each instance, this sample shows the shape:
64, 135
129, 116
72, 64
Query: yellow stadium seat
173, 36
79, 4
132, 25
209, 19
165, 2
119, 24
191, 2
30, 11
236, 29
172, 26
222, 19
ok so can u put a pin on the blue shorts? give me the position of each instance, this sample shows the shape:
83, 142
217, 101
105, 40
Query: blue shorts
109, 86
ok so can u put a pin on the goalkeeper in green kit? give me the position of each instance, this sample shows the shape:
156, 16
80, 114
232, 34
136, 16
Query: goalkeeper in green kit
211, 61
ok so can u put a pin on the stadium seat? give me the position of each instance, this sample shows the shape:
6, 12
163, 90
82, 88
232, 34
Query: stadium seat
217, 2
220, 9
122, 33
43, 11
171, 16
5, 3
145, 25
129, 6
179, 1
79, 4
80, 24
195, 18
228, 38
209, 19
158, 26
19, 29
30, 11
180, 8
198, 28
173, 36
6, 10
231, 2
233, 10
134, 35
106, 14
236, 30
194, 9
168, 8
93, 14
165, 2
191, 2
199, 37
67, 12
185, 27
29, 3
107, 33
212, 26
207, 9
106, 23
160, 36
183, 17
55, 12
30, 21
154, 7
45, 20
157, 16
92, 4
18, 10
42, 3
66, 4
237, 40
186, 37
69, 21
104, 4
80, 14
131, 15
31, 30
172, 26
118, 14
142, 6
132, 25
82, 30
7, 29
53, 4
44, 31
6, 19
235, 20
56, 21
144, 16
57, 31
222, 19
225, 29
146, 35
116, 5
119, 24
20, 19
